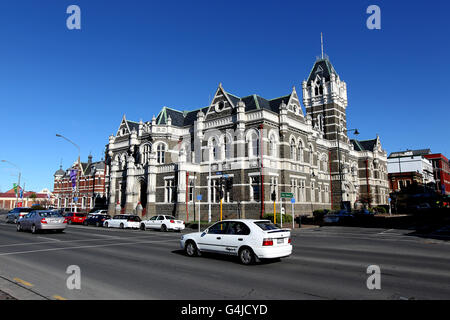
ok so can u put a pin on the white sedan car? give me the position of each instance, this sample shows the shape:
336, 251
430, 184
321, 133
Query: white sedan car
248, 239
163, 223
123, 221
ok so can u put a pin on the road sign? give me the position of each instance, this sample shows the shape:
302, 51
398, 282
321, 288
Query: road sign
292, 200
287, 195
225, 176
199, 197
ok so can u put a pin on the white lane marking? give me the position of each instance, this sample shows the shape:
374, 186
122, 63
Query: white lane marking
86, 247
79, 240
48, 238
385, 231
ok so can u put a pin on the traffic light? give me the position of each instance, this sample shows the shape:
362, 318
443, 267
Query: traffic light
274, 196
229, 184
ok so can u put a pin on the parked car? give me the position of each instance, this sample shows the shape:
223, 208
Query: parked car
248, 239
100, 211
96, 219
38, 220
15, 214
163, 223
338, 217
74, 217
123, 221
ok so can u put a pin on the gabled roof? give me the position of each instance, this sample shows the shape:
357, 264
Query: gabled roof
364, 145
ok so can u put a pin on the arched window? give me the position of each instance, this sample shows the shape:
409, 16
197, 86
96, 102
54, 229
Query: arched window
272, 146
146, 151
227, 143
161, 153
214, 149
300, 152
311, 154
293, 149
253, 145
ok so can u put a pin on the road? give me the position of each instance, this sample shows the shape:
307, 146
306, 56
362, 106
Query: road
327, 263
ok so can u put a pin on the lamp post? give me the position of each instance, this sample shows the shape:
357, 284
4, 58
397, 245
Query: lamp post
79, 167
339, 160
18, 182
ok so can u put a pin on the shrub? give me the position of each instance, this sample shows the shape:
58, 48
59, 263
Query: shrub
286, 217
379, 209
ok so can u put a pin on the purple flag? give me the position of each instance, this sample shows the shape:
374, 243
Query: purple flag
73, 177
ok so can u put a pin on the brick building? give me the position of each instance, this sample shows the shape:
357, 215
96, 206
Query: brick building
441, 170
91, 186
265, 146
8, 199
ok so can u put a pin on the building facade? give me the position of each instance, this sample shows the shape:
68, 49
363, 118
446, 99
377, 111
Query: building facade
261, 147
410, 167
9, 200
441, 171
91, 186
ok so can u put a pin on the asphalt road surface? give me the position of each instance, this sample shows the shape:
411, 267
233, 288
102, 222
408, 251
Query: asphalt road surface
327, 263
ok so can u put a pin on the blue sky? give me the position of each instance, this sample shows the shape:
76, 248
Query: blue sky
134, 57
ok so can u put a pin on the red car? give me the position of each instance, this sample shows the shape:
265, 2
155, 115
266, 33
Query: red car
73, 217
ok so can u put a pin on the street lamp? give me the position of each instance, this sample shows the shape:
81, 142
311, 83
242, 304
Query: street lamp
18, 183
356, 132
79, 167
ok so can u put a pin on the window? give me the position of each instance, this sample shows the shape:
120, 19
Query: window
169, 191
146, 151
237, 228
218, 228
272, 146
266, 225
300, 152
161, 153
254, 189
313, 191
253, 146
293, 149
227, 148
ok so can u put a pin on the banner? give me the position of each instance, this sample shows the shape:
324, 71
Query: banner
73, 178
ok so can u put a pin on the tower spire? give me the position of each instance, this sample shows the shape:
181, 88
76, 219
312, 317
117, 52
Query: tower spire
321, 42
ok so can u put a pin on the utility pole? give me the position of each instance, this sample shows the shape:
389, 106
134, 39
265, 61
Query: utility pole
18, 182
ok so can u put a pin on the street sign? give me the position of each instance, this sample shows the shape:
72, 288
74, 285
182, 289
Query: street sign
75, 199
287, 195
199, 197
292, 200
225, 176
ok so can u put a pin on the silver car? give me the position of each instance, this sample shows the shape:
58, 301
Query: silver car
39, 220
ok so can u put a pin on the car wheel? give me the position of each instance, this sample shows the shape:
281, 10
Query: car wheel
33, 229
19, 227
106, 224
69, 222
142, 227
121, 226
191, 249
163, 228
246, 256
15, 220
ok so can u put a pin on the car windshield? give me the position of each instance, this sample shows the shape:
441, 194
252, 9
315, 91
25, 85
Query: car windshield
170, 218
49, 214
80, 215
266, 225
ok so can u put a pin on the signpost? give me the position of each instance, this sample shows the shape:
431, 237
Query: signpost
199, 198
285, 195
293, 201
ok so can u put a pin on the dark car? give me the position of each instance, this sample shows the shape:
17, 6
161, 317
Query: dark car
341, 217
15, 214
96, 219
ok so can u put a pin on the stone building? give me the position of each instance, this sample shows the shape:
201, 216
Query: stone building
264, 146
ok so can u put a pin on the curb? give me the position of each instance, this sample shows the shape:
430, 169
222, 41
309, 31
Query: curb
17, 291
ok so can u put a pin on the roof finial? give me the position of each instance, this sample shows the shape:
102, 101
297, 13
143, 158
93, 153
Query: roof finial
321, 42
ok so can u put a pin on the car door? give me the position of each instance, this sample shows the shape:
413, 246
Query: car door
213, 239
151, 223
26, 221
158, 222
237, 234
